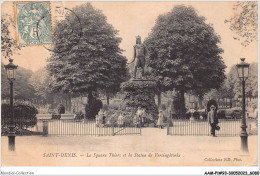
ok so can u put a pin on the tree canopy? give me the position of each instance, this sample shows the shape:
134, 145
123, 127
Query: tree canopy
41, 82
8, 44
94, 62
184, 50
22, 88
245, 21
251, 83
232, 86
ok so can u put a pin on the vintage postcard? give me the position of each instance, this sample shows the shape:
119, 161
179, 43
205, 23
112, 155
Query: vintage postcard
133, 83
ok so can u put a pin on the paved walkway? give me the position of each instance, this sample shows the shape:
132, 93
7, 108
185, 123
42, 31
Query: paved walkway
153, 147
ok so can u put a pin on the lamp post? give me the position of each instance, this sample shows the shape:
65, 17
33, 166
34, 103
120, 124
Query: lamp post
243, 72
10, 70
191, 100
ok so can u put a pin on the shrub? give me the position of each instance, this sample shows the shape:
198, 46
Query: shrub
24, 115
79, 115
93, 108
61, 109
233, 113
221, 113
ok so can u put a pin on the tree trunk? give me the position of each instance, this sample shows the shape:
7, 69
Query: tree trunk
107, 98
159, 99
230, 103
182, 104
52, 101
200, 101
90, 97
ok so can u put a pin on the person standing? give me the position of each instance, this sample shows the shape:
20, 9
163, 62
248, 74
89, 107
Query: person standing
120, 120
213, 120
160, 120
139, 114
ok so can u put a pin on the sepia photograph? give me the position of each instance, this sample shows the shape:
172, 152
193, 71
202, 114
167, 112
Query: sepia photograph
129, 83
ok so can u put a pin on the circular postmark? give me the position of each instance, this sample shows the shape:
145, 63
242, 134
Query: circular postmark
66, 30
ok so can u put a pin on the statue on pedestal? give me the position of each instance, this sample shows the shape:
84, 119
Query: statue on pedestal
140, 91
139, 56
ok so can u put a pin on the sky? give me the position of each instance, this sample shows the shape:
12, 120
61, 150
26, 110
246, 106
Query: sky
138, 18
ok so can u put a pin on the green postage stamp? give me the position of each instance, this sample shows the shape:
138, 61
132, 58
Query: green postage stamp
33, 21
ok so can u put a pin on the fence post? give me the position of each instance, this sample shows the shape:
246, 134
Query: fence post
45, 128
168, 121
113, 133
140, 128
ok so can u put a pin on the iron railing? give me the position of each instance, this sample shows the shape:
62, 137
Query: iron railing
67, 127
201, 127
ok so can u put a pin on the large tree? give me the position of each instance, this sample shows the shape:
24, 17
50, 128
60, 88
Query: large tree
118, 74
251, 82
184, 49
86, 58
41, 82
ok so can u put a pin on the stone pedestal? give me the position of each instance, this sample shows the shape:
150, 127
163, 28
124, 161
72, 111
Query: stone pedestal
140, 93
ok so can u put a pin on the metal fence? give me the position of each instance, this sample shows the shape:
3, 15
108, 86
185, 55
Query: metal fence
67, 127
201, 127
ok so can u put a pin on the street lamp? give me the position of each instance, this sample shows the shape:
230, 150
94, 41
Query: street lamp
243, 72
10, 70
191, 101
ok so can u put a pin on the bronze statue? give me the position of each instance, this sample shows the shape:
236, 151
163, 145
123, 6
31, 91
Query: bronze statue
139, 56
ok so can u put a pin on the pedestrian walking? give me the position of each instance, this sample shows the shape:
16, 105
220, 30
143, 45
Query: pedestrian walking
212, 119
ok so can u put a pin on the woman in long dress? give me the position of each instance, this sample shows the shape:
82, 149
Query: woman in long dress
160, 120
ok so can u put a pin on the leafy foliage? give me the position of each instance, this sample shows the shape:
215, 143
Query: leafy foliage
140, 94
22, 87
8, 44
184, 49
232, 86
245, 21
95, 62
92, 108
251, 82
79, 115
41, 82
61, 109
24, 114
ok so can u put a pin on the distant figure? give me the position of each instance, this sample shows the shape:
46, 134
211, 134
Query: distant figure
139, 56
109, 120
136, 121
99, 117
160, 120
140, 114
120, 120
212, 119
104, 118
